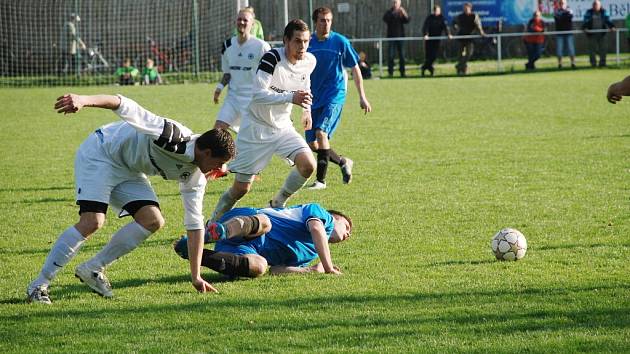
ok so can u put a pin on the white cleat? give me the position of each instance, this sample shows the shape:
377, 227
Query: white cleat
95, 279
317, 185
38, 295
346, 171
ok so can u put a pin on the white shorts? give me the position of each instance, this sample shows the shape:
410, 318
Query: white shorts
257, 143
98, 178
232, 111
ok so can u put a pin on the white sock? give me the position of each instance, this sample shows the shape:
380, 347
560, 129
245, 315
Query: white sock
225, 203
123, 241
292, 184
64, 249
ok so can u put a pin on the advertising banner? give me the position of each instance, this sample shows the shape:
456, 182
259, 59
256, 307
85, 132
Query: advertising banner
518, 12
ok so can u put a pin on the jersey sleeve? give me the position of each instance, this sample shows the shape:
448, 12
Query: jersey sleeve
138, 117
192, 192
315, 211
350, 56
262, 92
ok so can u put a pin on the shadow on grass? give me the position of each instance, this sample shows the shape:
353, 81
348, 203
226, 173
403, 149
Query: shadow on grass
35, 189
87, 247
576, 246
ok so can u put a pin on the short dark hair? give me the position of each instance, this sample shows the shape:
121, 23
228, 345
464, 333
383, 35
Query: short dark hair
220, 143
295, 25
335, 212
321, 11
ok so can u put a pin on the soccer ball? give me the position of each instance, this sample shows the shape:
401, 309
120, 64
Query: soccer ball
509, 245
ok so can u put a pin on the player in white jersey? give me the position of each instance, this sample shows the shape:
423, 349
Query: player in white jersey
282, 80
240, 57
111, 168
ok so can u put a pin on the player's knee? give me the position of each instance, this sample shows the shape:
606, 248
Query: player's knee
89, 223
150, 218
305, 163
257, 265
240, 189
264, 223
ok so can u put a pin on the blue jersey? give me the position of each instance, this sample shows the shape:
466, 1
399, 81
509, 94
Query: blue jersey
289, 242
328, 80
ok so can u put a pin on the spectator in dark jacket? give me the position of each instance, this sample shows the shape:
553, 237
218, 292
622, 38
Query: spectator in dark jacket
465, 24
596, 18
395, 18
565, 45
433, 26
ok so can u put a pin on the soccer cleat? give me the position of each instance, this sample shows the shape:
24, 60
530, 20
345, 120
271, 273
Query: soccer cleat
95, 279
181, 247
214, 232
317, 185
346, 171
38, 295
275, 204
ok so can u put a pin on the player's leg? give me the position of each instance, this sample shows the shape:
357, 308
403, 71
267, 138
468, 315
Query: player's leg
135, 198
241, 186
292, 146
317, 140
331, 119
246, 226
66, 248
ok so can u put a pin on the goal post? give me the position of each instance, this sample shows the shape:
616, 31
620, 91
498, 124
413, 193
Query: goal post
82, 42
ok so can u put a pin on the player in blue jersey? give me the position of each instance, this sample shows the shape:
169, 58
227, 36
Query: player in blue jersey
333, 52
286, 239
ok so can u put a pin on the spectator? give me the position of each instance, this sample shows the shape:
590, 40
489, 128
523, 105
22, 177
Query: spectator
534, 42
71, 44
563, 17
364, 66
126, 74
433, 26
465, 24
257, 29
395, 18
150, 74
596, 18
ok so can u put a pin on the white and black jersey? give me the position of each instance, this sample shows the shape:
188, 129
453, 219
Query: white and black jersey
152, 145
275, 82
241, 61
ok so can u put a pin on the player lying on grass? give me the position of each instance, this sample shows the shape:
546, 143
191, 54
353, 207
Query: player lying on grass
111, 168
248, 240
619, 89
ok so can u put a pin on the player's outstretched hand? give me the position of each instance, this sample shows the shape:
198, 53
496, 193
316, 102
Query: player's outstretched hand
303, 99
202, 286
69, 103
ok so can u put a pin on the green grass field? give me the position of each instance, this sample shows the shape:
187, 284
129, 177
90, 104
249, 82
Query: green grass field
441, 165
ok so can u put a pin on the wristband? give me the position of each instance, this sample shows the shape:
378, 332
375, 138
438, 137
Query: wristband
220, 86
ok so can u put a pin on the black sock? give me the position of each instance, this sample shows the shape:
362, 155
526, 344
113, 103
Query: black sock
335, 158
323, 155
226, 263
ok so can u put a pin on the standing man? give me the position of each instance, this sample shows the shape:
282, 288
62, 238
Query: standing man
594, 19
433, 26
289, 239
333, 52
565, 45
111, 167
72, 44
395, 18
240, 58
281, 81
465, 24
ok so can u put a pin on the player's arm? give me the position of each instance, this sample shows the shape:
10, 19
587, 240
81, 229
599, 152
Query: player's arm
262, 92
358, 82
225, 80
619, 89
192, 193
72, 103
320, 239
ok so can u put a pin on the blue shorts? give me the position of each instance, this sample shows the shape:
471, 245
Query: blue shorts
325, 118
565, 45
